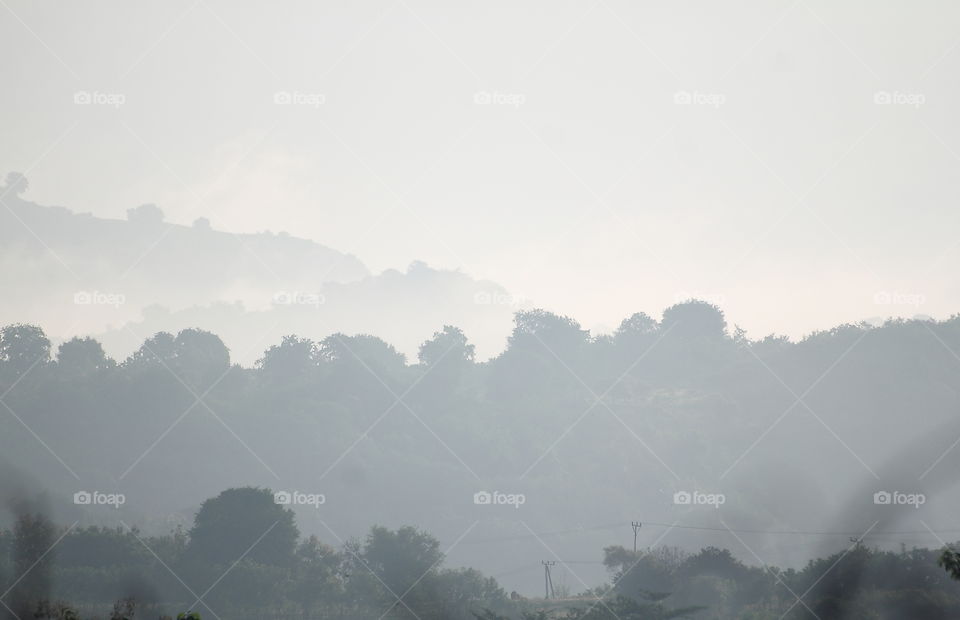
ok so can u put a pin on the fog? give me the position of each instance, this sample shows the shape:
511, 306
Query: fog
413, 309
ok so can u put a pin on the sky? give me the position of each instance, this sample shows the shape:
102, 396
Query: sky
793, 162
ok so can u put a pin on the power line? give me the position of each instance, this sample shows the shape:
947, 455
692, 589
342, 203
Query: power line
706, 528
801, 532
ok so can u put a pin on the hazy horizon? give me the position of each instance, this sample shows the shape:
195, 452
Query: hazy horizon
629, 200
657, 300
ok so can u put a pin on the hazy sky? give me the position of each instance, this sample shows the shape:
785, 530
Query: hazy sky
542, 145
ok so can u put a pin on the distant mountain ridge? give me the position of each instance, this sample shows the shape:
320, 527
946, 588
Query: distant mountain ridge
123, 280
50, 253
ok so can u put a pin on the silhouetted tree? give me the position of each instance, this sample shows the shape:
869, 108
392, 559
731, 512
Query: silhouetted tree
145, 215
229, 524
15, 183
23, 347
82, 357
294, 358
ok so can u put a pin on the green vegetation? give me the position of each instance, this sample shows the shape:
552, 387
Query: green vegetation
399, 574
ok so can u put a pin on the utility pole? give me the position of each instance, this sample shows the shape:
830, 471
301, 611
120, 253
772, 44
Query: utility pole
548, 579
636, 528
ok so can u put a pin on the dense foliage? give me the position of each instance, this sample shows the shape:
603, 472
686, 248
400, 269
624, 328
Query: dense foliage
615, 421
